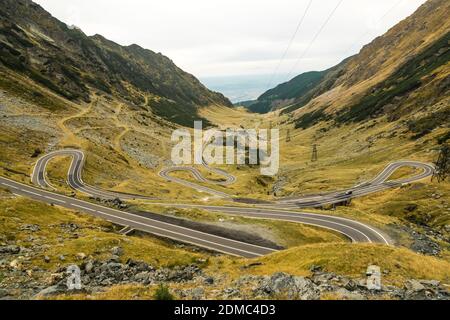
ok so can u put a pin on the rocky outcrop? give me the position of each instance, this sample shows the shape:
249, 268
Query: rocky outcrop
288, 286
326, 284
97, 275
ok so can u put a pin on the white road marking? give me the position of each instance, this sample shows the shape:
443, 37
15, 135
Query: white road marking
84, 208
10, 186
54, 199
171, 225
181, 234
378, 183
30, 192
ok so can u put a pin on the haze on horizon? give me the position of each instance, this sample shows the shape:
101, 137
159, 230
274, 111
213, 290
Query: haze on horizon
222, 40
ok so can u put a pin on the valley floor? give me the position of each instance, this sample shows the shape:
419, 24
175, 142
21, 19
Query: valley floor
127, 148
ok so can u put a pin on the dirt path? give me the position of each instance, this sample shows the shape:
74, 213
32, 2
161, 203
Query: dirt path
70, 139
119, 124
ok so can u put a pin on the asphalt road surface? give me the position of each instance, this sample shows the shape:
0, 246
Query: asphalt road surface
379, 183
137, 222
353, 230
74, 178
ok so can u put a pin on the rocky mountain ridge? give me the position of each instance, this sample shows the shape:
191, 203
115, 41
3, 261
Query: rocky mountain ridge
403, 74
73, 65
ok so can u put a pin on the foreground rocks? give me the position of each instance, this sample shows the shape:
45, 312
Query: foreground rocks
22, 280
283, 285
97, 276
326, 285
114, 203
424, 242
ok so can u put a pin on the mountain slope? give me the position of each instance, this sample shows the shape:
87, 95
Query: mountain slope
62, 89
73, 65
296, 92
287, 92
403, 74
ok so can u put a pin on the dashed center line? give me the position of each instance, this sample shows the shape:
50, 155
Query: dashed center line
9, 185
54, 199
31, 192
84, 208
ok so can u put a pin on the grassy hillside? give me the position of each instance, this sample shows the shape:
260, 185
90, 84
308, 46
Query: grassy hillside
402, 74
52, 238
417, 75
60, 89
287, 93
69, 63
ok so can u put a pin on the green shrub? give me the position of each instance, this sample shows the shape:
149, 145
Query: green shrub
163, 293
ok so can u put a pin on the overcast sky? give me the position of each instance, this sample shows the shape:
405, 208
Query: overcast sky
216, 38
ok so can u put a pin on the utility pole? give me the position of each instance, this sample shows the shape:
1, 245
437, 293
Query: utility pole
442, 165
288, 135
314, 153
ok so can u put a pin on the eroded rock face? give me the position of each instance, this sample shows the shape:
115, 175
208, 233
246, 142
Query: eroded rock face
288, 286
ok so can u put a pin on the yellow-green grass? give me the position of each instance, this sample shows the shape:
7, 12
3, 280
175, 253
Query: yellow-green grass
224, 117
397, 264
346, 259
286, 234
57, 170
404, 172
16, 148
344, 156
118, 292
94, 238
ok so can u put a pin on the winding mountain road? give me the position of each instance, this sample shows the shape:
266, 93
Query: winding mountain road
281, 210
138, 222
379, 183
74, 178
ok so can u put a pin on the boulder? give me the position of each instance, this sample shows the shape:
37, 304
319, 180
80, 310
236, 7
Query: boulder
89, 267
414, 285
50, 291
30, 227
198, 293
143, 277
11, 249
117, 251
81, 256
287, 286
3, 293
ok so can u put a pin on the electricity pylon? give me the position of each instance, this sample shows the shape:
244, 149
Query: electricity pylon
442, 165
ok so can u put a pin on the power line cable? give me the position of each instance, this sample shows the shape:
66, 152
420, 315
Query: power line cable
347, 51
300, 23
314, 38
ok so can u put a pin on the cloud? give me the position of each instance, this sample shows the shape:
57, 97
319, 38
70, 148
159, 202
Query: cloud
233, 37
